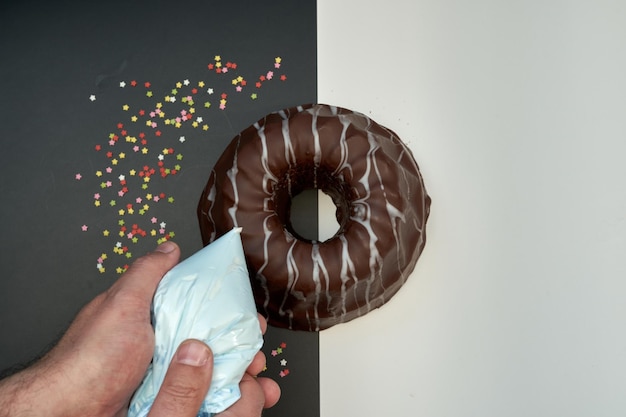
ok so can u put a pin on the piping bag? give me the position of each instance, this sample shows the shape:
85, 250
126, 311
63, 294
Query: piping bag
206, 297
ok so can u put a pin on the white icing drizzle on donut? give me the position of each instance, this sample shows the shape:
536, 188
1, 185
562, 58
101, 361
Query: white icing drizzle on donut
364, 217
232, 176
319, 270
348, 273
290, 155
370, 180
343, 146
317, 157
293, 273
211, 199
393, 212
267, 233
268, 174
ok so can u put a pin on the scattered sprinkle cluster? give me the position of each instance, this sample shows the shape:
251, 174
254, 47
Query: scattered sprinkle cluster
276, 353
144, 149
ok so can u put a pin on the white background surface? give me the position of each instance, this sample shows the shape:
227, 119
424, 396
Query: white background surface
516, 114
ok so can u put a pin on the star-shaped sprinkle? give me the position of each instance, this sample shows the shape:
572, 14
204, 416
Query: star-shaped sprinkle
122, 84
84, 227
92, 97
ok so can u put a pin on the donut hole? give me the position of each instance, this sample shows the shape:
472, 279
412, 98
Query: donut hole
311, 204
314, 204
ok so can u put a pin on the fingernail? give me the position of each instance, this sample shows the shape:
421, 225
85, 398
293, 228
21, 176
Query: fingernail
193, 353
166, 247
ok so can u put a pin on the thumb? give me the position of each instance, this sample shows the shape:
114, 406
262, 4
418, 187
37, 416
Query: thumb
144, 275
186, 382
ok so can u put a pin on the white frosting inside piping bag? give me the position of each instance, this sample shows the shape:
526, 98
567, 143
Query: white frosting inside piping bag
206, 297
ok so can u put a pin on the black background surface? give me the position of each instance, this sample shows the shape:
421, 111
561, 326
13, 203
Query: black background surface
54, 56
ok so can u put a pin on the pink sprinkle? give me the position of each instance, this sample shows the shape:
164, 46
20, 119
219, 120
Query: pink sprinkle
138, 200
277, 65
136, 148
109, 170
84, 227
96, 196
120, 193
153, 220
111, 142
108, 183
152, 114
270, 74
78, 176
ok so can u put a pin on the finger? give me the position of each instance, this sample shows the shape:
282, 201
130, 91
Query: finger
257, 365
251, 402
145, 273
271, 391
262, 323
256, 394
186, 382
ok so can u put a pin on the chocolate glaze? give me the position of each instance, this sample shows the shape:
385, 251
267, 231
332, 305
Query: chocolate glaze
382, 208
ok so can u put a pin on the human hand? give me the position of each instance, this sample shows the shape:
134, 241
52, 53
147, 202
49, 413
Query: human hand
102, 358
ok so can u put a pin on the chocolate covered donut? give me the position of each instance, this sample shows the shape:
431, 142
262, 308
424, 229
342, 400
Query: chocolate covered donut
382, 208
